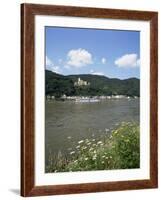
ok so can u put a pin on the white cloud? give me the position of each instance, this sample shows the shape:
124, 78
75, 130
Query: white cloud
78, 58
128, 60
103, 60
50, 66
96, 73
138, 62
48, 62
66, 66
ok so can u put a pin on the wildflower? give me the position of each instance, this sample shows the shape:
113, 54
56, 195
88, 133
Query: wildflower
69, 137
99, 142
91, 149
84, 148
102, 162
81, 141
86, 158
94, 157
89, 143
77, 147
93, 140
72, 152
110, 157
103, 156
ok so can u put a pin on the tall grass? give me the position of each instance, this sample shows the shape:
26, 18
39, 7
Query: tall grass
119, 150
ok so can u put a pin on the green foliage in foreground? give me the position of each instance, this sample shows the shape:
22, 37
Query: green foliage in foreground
119, 150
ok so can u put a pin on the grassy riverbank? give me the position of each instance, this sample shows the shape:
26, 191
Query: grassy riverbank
118, 150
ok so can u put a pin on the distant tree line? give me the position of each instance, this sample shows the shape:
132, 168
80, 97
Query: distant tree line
58, 85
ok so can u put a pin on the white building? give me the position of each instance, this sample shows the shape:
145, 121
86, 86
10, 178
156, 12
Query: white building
81, 82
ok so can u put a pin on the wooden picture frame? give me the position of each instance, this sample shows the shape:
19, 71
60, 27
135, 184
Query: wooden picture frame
28, 12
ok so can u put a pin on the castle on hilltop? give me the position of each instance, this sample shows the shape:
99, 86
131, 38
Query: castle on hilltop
81, 82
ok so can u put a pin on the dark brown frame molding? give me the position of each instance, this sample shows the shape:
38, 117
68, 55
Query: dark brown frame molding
28, 12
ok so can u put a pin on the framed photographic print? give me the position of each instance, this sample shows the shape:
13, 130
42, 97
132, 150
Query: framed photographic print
88, 99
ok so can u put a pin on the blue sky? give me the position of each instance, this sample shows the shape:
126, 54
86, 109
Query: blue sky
112, 53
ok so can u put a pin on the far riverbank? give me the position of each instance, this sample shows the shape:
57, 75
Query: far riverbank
77, 98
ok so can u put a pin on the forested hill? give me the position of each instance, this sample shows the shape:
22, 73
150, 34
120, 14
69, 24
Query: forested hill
58, 85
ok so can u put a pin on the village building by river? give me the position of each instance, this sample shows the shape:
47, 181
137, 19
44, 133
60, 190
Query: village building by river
82, 83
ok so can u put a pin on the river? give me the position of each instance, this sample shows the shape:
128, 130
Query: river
68, 122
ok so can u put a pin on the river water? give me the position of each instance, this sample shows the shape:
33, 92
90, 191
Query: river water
68, 122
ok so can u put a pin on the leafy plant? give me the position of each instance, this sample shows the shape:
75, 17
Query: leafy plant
58, 85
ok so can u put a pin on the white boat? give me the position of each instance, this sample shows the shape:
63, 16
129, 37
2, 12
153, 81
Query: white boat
94, 100
86, 100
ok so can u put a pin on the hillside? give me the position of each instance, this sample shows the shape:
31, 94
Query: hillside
58, 85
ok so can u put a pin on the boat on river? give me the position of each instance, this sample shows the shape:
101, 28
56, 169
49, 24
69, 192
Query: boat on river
86, 100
